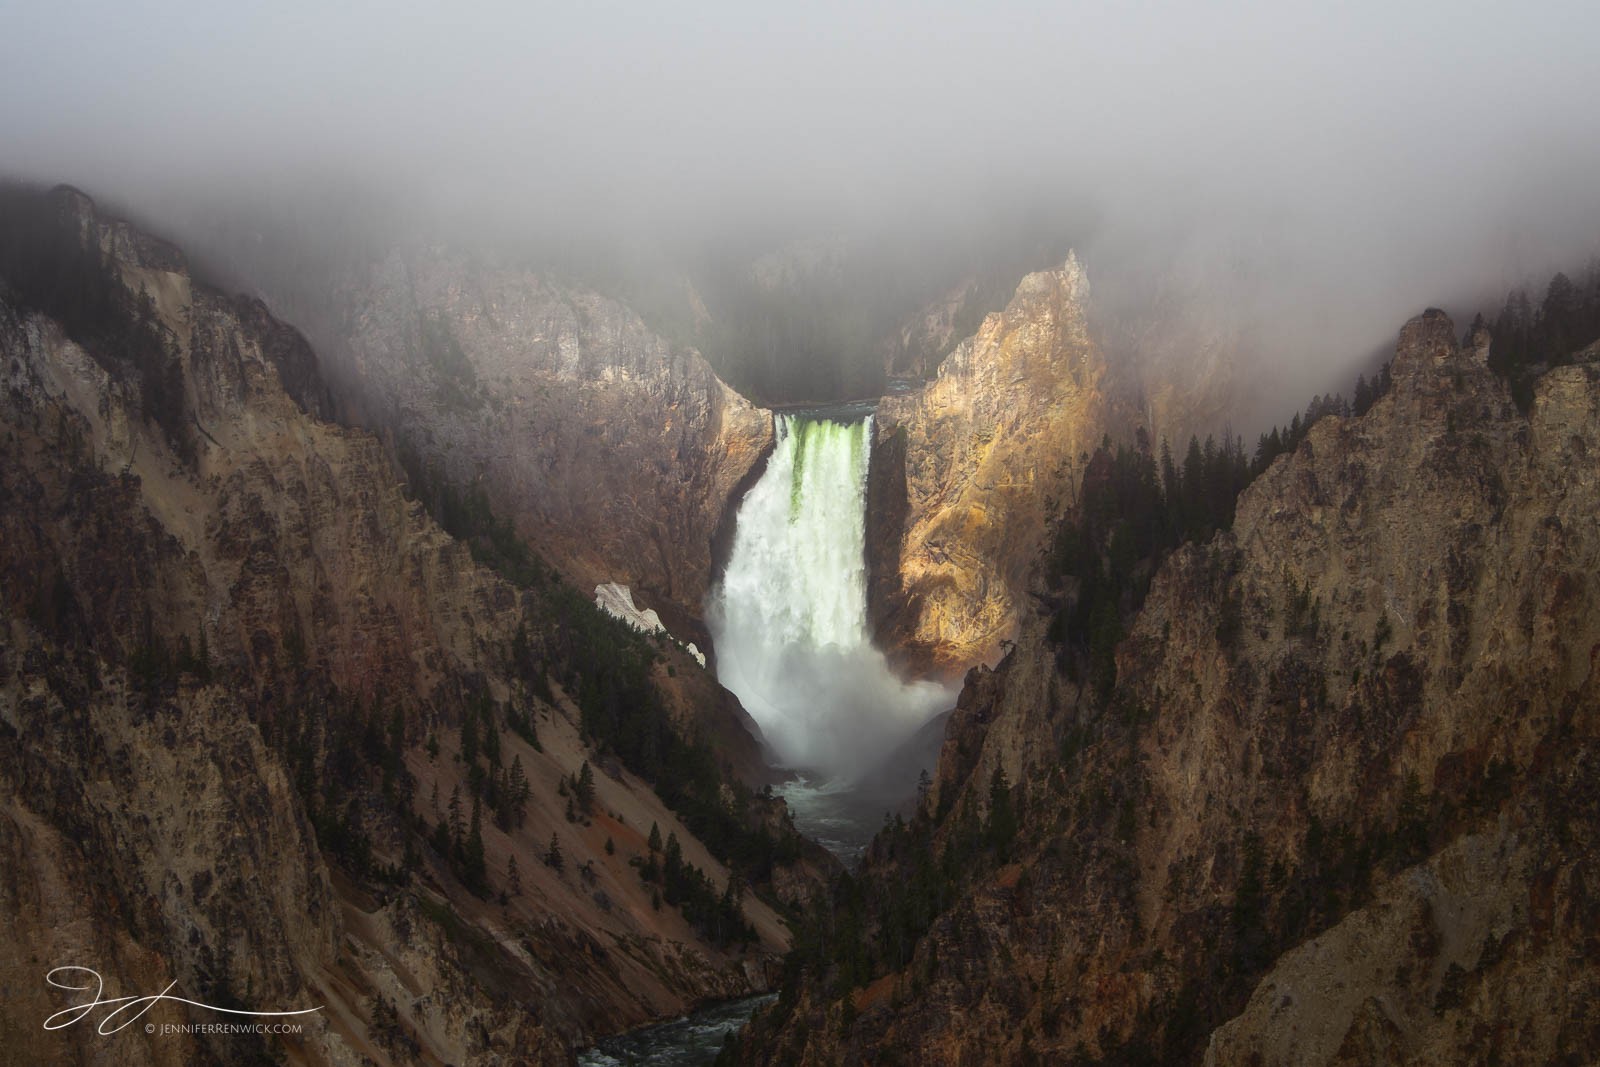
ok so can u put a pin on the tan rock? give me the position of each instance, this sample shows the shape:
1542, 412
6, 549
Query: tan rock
987, 453
1361, 828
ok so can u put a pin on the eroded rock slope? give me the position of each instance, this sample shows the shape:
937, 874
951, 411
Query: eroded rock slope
1341, 806
236, 681
615, 450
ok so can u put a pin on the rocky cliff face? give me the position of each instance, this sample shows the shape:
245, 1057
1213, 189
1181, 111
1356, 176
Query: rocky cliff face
967, 471
1340, 807
616, 451
225, 626
918, 345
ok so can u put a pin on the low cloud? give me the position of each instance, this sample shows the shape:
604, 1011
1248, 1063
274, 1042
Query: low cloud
1327, 169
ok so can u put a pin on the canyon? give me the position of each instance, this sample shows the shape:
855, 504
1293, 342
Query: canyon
240, 672
280, 620
1338, 806
624, 456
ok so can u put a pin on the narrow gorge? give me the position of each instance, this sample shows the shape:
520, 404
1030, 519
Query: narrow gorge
789, 620
486, 672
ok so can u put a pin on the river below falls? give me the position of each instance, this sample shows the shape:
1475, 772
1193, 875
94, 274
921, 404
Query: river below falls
691, 1041
789, 622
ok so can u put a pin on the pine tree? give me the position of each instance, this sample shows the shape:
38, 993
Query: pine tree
730, 914
585, 789
1002, 817
455, 817
394, 752
491, 741
397, 733
473, 859
513, 879
469, 737
1170, 489
1590, 302
517, 790
1194, 490
672, 870
500, 799
1363, 402
1559, 320
655, 838
552, 857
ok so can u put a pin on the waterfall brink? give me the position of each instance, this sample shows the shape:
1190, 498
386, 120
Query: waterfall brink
790, 615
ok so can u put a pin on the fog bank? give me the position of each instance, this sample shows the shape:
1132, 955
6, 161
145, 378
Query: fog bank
1323, 171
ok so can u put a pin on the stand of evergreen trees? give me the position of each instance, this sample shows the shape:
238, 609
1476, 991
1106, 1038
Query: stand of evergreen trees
1527, 340
719, 917
467, 516
335, 748
1130, 514
605, 665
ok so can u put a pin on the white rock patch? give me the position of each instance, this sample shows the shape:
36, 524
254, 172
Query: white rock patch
617, 600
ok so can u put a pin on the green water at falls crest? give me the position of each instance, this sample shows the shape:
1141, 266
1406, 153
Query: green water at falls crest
789, 617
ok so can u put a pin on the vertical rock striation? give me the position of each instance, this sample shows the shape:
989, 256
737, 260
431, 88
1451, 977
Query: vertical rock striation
986, 453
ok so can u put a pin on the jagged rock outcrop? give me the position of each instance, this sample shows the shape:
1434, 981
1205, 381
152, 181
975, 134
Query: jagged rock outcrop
1341, 806
968, 471
224, 623
615, 450
918, 345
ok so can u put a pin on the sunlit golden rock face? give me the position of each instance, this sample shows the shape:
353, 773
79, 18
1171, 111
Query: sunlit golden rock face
968, 472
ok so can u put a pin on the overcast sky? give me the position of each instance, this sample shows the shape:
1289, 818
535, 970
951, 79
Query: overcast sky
1406, 148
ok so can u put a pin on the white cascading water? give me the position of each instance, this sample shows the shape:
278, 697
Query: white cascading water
790, 615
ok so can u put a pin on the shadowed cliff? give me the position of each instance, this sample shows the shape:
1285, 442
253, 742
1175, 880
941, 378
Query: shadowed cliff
277, 737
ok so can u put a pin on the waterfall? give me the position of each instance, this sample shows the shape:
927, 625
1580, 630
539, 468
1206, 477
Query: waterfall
790, 615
